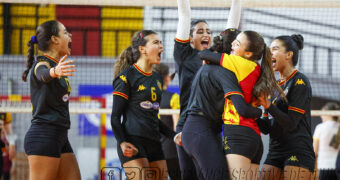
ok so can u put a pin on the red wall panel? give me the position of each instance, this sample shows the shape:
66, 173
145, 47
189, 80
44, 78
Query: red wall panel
80, 20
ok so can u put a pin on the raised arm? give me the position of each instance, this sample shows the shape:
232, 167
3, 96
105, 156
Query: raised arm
212, 57
234, 14
183, 26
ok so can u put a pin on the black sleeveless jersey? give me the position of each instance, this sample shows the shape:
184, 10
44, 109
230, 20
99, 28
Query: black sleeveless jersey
50, 101
143, 92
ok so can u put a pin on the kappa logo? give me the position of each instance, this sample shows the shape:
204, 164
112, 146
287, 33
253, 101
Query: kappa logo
300, 82
123, 78
141, 87
293, 158
226, 146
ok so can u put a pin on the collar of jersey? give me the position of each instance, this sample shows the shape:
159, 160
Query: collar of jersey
51, 58
281, 82
141, 71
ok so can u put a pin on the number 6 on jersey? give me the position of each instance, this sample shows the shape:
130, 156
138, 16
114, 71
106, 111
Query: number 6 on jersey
153, 94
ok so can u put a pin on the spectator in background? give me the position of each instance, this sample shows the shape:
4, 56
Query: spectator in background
169, 101
7, 144
322, 141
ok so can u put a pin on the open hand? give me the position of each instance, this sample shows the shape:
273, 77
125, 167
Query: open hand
64, 67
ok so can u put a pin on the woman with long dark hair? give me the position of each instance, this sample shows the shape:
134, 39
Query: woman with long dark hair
137, 94
291, 144
50, 155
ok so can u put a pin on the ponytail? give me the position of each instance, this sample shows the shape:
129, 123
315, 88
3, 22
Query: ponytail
124, 60
42, 38
29, 61
267, 83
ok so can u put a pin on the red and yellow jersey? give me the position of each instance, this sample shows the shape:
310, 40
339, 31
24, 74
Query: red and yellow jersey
247, 73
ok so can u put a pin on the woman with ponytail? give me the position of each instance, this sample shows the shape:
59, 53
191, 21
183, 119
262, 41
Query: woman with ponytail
242, 138
136, 96
50, 155
291, 143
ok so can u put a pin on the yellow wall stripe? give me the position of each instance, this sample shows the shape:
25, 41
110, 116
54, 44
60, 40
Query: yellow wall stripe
123, 19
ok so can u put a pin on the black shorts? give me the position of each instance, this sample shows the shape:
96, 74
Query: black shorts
243, 141
147, 148
47, 140
299, 160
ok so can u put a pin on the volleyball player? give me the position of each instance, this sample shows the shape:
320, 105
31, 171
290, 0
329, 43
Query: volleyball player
136, 95
242, 139
189, 41
291, 145
50, 155
169, 101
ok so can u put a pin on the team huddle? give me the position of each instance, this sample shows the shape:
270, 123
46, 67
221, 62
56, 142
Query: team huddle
228, 97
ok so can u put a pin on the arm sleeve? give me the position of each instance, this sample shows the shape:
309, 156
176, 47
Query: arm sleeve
181, 50
183, 26
244, 109
212, 57
118, 106
121, 92
241, 67
228, 82
234, 14
42, 73
166, 130
297, 104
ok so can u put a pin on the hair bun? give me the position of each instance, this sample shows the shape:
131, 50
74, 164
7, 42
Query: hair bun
298, 39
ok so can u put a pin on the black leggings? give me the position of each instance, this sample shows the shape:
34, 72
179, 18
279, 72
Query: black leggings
202, 141
186, 164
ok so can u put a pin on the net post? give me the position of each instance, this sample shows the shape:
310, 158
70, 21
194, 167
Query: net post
102, 141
